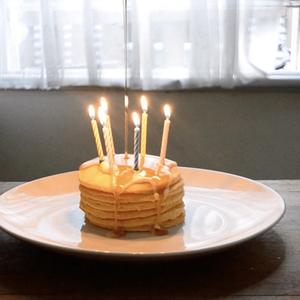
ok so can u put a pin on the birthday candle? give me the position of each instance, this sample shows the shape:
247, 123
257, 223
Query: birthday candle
94, 125
136, 147
126, 127
104, 105
108, 144
144, 105
164, 142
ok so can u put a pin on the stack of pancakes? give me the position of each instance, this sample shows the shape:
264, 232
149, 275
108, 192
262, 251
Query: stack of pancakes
132, 200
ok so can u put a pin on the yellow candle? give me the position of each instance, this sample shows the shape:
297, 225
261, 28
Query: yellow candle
144, 105
104, 105
126, 127
94, 125
108, 145
164, 141
110, 134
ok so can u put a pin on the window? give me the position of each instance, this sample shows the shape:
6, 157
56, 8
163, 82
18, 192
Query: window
271, 37
171, 43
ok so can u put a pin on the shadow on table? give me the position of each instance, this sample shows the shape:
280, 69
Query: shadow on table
25, 269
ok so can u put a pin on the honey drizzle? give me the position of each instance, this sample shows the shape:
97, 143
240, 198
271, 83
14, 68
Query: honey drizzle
120, 189
116, 198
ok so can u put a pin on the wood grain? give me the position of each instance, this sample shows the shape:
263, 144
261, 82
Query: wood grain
267, 267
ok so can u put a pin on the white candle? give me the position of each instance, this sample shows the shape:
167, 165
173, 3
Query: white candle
164, 141
108, 144
94, 125
126, 127
136, 148
144, 105
104, 105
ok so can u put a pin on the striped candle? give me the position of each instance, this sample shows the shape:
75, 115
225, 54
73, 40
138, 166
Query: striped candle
136, 147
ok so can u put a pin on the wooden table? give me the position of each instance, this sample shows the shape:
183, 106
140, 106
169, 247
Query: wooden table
267, 267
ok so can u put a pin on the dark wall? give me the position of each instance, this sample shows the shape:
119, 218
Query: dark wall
251, 132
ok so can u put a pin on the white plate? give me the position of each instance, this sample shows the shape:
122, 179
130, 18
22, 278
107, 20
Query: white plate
221, 210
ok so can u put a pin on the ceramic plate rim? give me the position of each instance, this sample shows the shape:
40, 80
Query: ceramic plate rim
5, 226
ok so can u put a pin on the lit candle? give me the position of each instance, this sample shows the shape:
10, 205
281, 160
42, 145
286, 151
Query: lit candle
94, 125
144, 105
126, 127
108, 145
104, 105
164, 141
136, 148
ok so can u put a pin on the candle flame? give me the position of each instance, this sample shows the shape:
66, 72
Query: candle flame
91, 111
136, 119
144, 103
103, 104
126, 101
167, 111
102, 115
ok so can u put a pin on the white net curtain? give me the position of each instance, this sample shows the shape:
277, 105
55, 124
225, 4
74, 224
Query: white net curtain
171, 43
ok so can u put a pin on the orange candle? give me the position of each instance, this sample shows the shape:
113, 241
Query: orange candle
164, 142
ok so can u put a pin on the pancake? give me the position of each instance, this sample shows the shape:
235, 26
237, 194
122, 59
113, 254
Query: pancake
146, 200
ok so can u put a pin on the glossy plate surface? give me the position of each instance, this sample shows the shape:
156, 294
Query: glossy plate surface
221, 210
